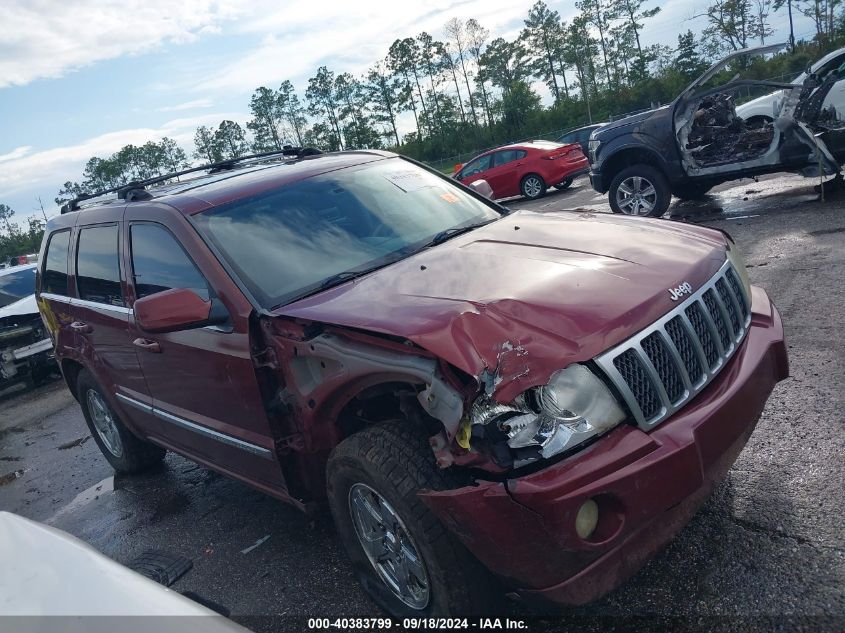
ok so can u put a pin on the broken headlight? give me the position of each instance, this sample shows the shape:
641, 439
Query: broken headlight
573, 407
738, 262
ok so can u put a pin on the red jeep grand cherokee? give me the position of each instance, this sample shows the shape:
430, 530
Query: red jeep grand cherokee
547, 396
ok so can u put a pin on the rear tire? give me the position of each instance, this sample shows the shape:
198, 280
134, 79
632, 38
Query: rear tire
382, 468
565, 184
532, 187
640, 190
123, 450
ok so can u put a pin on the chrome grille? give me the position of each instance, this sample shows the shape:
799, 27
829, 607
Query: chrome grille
661, 368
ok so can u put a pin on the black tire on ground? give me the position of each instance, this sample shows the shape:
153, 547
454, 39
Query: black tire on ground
565, 184
691, 191
395, 461
653, 189
122, 449
532, 186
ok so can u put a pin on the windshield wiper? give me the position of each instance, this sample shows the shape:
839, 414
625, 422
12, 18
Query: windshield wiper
346, 275
454, 232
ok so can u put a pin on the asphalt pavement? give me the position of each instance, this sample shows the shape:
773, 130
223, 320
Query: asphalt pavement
767, 550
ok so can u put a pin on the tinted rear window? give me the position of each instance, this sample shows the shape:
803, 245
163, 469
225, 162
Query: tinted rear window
16, 285
98, 267
55, 267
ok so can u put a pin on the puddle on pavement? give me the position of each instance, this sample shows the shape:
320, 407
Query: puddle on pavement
106, 486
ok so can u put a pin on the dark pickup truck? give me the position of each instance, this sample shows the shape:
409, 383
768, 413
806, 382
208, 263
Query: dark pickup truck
698, 141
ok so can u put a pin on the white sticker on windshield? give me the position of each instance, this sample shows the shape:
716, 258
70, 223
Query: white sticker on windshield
408, 180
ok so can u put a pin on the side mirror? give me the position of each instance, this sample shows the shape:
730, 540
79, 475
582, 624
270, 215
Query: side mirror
177, 309
457, 168
482, 187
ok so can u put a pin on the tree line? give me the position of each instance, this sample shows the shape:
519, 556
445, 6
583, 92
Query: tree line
465, 91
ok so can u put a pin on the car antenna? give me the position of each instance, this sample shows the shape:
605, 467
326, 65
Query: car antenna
136, 190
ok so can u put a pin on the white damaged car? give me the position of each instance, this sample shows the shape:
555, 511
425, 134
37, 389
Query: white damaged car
26, 351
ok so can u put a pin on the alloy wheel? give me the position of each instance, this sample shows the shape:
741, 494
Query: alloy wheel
636, 196
389, 546
532, 187
104, 423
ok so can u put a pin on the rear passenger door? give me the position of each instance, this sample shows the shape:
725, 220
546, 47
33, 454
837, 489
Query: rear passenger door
100, 324
203, 382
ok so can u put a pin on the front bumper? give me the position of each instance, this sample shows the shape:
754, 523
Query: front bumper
596, 180
647, 485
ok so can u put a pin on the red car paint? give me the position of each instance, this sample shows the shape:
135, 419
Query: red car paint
518, 299
553, 162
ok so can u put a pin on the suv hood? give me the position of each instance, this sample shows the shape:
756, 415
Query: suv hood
514, 301
610, 128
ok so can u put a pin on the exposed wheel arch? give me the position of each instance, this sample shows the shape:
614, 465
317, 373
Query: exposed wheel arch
626, 158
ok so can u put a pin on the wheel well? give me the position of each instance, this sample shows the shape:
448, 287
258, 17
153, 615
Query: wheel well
627, 158
530, 173
382, 403
70, 370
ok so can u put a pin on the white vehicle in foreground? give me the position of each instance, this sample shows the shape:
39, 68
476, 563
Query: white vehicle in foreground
766, 108
47, 573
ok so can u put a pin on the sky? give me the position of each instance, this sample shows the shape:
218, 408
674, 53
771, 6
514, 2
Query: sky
82, 78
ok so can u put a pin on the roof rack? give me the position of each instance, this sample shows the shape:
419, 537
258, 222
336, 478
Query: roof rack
136, 190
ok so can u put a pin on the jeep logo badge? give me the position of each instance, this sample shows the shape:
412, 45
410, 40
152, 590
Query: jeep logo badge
684, 289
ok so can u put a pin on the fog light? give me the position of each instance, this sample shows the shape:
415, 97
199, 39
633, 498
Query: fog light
587, 519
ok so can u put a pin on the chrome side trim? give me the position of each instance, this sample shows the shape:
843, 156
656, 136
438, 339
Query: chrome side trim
197, 428
634, 343
85, 303
134, 403
100, 306
54, 297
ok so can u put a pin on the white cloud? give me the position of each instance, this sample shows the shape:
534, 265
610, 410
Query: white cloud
48, 38
196, 104
18, 152
293, 39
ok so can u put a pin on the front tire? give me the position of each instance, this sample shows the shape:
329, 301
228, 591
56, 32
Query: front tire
532, 187
402, 554
122, 449
640, 190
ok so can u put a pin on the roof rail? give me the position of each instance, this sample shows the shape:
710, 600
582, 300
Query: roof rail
136, 190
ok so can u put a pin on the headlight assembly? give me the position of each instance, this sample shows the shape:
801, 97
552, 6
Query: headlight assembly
573, 407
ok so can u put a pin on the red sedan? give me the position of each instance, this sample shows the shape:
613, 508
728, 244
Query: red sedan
526, 169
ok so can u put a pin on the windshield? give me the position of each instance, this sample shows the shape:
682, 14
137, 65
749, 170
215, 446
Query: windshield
294, 240
16, 285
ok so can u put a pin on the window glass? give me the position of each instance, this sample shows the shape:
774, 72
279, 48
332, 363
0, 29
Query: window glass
55, 267
502, 158
17, 285
289, 242
476, 166
160, 263
97, 265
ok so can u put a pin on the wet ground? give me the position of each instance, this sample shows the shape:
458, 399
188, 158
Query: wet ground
770, 543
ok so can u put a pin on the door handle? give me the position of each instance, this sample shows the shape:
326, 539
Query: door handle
82, 328
146, 344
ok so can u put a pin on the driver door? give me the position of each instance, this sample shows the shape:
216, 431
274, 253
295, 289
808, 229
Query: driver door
202, 380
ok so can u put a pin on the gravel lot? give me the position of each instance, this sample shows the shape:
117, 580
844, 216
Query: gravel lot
769, 545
